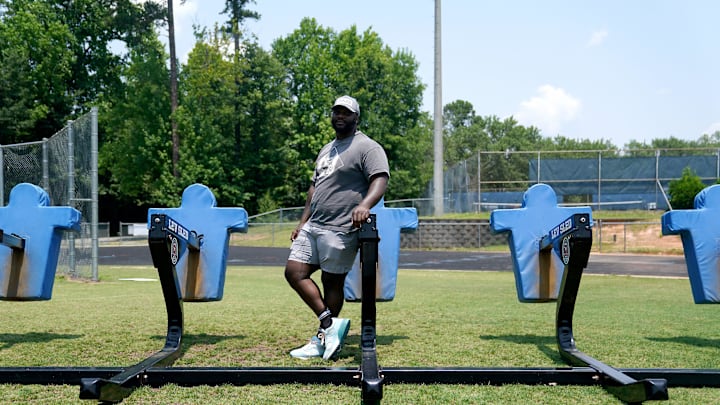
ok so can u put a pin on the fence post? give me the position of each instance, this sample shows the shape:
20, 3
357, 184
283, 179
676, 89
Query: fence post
2, 178
657, 175
94, 191
419, 231
479, 181
71, 196
625, 238
45, 166
599, 180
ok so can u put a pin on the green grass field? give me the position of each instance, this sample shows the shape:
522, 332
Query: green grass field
439, 318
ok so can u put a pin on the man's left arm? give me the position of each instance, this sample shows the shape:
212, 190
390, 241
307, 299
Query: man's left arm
376, 190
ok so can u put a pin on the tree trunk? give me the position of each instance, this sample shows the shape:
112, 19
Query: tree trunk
173, 91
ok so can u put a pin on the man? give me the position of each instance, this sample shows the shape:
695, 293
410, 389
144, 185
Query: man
351, 176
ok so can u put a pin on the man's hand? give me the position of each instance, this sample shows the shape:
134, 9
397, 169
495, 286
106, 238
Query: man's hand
359, 215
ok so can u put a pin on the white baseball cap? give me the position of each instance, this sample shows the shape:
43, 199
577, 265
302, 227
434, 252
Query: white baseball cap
349, 103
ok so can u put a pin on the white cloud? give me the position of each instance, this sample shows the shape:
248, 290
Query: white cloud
597, 38
548, 110
189, 8
185, 15
714, 127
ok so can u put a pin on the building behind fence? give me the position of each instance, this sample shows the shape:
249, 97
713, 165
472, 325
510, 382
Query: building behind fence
619, 180
65, 166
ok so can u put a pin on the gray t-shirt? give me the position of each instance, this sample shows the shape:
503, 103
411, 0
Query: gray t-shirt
342, 173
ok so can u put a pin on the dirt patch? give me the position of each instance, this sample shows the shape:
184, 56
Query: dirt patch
631, 238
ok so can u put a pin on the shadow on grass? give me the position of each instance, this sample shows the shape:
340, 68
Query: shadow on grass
8, 340
201, 338
545, 344
688, 340
351, 347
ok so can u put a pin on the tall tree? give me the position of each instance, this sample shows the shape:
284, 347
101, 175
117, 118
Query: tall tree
237, 13
56, 59
173, 89
249, 167
265, 128
206, 117
458, 114
322, 65
463, 134
37, 52
19, 111
466, 134
135, 158
509, 137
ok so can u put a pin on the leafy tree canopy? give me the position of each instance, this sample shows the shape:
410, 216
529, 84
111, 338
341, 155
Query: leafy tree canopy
67, 62
321, 65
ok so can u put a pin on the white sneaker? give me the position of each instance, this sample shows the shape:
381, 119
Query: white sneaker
335, 336
314, 348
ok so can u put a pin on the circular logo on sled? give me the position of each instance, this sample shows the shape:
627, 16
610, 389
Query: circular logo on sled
174, 250
565, 250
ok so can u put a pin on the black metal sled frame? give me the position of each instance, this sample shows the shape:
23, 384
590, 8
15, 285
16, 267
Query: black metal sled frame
17, 246
112, 384
573, 240
166, 239
371, 378
12, 241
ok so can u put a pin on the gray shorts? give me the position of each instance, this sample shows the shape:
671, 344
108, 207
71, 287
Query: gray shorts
333, 251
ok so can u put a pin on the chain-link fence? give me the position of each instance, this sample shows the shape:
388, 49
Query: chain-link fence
603, 180
620, 180
64, 165
609, 236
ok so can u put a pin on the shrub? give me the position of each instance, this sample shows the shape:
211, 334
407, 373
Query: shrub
683, 190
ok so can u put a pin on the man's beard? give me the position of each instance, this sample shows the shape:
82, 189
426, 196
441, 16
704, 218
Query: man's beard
347, 129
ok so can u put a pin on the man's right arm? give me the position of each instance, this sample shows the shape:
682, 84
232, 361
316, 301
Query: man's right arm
305, 214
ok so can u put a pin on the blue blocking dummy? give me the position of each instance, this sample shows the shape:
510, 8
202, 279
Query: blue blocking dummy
202, 274
29, 273
538, 275
390, 222
699, 230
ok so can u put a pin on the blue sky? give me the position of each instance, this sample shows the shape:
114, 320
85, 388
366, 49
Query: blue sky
614, 70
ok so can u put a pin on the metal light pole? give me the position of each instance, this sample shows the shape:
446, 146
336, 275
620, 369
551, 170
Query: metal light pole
438, 128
